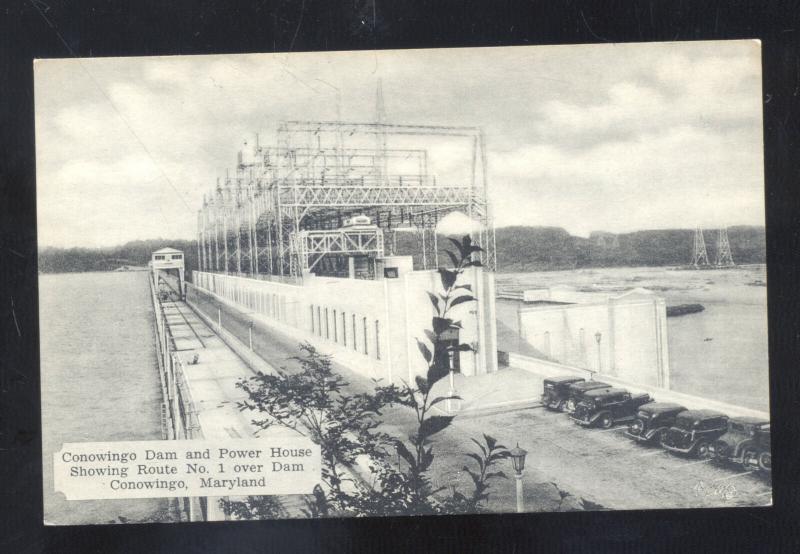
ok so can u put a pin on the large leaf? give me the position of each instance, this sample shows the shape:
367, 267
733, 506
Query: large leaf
477, 458
426, 352
438, 371
461, 300
479, 446
433, 425
458, 245
453, 258
474, 476
422, 383
430, 335
448, 277
439, 399
405, 453
434, 301
441, 324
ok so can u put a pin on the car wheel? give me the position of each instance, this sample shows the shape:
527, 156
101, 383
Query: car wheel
701, 449
765, 461
750, 459
606, 421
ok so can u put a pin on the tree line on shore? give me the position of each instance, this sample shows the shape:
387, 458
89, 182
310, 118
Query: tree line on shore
519, 248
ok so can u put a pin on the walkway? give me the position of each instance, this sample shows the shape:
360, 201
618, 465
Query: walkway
211, 381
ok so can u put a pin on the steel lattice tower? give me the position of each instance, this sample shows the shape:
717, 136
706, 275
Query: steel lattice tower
700, 256
724, 257
268, 217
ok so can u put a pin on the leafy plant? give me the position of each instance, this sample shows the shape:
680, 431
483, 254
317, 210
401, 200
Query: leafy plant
490, 452
436, 353
315, 402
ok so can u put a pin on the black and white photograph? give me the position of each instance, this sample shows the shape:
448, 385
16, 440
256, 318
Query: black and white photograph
441, 281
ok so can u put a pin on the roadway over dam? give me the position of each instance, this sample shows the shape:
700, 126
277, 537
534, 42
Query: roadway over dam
592, 468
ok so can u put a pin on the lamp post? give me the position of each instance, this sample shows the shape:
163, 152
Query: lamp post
598, 336
518, 461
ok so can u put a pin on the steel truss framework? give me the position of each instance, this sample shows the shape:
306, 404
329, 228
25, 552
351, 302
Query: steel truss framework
260, 220
724, 257
311, 246
700, 255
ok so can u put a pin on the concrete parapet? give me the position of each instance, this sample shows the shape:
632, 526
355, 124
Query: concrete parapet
546, 368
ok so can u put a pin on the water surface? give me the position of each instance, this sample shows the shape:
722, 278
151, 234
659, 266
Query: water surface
721, 352
99, 380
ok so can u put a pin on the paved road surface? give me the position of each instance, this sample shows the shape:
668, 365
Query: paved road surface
602, 467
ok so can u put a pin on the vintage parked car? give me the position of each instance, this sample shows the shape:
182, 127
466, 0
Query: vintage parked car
577, 390
764, 444
556, 391
652, 420
605, 407
746, 442
693, 432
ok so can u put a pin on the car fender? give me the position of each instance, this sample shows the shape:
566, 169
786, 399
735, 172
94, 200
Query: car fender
598, 415
656, 432
744, 445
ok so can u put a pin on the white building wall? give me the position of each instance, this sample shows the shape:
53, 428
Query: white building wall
369, 326
633, 336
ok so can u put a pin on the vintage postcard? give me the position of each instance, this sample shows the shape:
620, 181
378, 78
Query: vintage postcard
410, 282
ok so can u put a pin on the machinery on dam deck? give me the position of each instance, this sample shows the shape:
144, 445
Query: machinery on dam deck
284, 207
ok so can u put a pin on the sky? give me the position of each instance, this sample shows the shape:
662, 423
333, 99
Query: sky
607, 137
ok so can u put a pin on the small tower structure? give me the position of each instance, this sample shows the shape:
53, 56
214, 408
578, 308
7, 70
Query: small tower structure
700, 256
724, 257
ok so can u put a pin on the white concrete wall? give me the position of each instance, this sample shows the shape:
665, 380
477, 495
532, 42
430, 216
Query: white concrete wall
390, 313
633, 336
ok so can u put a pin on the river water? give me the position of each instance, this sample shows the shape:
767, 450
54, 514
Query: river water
721, 352
99, 380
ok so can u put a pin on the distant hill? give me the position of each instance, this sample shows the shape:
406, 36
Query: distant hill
519, 248
550, 248
136, 253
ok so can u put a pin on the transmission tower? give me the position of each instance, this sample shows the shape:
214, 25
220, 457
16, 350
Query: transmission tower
724, 257
700, 256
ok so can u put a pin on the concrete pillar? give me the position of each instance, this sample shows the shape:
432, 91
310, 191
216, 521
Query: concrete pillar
662, 342
611, 356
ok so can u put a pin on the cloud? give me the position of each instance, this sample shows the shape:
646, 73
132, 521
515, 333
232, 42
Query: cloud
587, 137
678, 177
